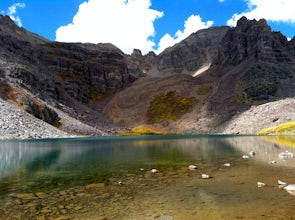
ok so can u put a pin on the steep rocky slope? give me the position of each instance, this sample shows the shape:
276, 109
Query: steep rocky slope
75, 78
205, 84
261, 117
250, 66
254, 66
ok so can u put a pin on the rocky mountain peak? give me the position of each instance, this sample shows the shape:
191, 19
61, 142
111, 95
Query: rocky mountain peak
5, 20
244, 24
12, 35
191, 54
252, 39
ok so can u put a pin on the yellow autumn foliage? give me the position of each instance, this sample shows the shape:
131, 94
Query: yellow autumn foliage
285, 128
143, 130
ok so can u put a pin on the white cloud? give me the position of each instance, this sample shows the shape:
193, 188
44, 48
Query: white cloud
12, 12
127, 24
276, 10
191, 25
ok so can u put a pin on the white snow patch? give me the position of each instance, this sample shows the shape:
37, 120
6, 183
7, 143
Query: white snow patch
202, 69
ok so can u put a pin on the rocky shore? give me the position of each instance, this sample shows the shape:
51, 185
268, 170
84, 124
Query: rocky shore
260, 117
18, 124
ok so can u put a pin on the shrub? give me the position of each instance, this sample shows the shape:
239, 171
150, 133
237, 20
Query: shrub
142, 130
169, 106
285, 128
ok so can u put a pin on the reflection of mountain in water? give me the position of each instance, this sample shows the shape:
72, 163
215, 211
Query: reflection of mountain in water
85, 153
115, 154
267, 148
15, 154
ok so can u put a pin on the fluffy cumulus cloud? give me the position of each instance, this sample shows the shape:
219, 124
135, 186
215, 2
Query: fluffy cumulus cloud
191, 25
275, 10
12, 10
127, 24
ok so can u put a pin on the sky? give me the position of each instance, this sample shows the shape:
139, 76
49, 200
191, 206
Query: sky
148, 25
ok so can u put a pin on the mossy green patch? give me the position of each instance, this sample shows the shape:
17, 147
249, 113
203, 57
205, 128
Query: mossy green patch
169, 106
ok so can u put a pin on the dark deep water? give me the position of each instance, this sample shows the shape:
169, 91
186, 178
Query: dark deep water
66, 171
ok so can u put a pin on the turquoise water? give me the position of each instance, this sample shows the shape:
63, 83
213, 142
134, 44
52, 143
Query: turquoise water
37, 164
51, 166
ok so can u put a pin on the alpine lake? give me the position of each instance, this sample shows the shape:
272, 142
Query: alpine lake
148, 177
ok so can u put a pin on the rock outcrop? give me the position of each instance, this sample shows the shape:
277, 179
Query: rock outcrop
189, 55
254, 66
249, 65
79, 77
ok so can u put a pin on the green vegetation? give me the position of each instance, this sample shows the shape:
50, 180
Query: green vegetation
285, 128
142, 130
169, 106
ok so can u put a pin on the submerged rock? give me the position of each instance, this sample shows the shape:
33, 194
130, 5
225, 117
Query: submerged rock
192, 167
260, 184
286, 155
205, 176
290, 189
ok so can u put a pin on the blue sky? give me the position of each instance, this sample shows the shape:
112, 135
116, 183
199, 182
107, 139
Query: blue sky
143, 24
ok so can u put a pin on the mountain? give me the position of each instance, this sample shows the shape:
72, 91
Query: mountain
248, 65
75, 78
196, 86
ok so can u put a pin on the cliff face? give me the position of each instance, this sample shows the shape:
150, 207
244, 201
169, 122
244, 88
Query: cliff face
254, 66
78, 77
254, 40
198, 50
100, 85
249, 65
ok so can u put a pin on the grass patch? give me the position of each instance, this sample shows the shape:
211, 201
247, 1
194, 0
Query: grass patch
285, 128
169, 106
143, 130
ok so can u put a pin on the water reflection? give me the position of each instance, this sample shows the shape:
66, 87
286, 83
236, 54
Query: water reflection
267, 148
82, 154
104, 157
60, 165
